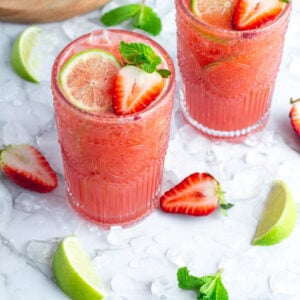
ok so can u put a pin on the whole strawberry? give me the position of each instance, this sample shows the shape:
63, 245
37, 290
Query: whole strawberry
295, 114
28, 168
199, 194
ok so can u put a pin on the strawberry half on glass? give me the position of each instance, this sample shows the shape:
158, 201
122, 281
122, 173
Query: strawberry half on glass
250, 14
199, 194
28, 168
139, 81
135, 89
295, 115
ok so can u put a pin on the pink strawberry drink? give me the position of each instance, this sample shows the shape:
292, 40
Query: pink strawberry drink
228, 75
113, 164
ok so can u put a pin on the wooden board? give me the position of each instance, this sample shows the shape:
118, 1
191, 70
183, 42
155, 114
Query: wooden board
39, 11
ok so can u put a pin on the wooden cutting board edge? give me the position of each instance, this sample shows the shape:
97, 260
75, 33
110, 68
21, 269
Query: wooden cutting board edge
46, 10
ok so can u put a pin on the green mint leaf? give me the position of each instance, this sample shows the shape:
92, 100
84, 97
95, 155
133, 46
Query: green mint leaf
187, 281
120, 14
206, 290
141, 55
220, 292
147, 20
143, 16
164, 73
209, 287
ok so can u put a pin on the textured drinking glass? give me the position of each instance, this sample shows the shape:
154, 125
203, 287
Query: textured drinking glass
113, 164
228, 76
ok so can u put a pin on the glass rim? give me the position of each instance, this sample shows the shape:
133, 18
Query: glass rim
231, 32
170, 83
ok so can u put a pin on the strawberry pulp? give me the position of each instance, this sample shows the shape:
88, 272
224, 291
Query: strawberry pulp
113, 164
228, 75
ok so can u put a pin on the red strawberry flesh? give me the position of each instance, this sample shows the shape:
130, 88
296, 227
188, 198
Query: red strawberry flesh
135, 89
250, 14
196, 195
28, 168
295, 115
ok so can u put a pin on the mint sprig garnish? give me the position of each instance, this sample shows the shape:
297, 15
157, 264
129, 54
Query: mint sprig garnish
142, 56
143, 17
209, 287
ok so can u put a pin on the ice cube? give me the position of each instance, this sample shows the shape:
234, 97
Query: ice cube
5, 205
285, 283
42, 251
15, 133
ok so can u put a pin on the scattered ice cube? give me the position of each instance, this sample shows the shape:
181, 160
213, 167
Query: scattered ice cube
102, 258
248, 182
294, 66
44, 53
28, 202
76, 27
256, 158
124, 284
285, 283
181, 255
12, 90
42, 251
5, 205
49, 146
40, 92
163, 288
15, 133
116, 236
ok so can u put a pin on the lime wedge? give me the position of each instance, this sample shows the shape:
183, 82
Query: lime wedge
74, 272
21, 51
278, 218
87, 79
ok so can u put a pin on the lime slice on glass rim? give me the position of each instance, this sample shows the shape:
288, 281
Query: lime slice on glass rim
74, 272
21, 60
86, 79
278, 218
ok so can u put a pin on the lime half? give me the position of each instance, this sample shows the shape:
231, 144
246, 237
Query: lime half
278, 218
74, 272
21, 52
87, 79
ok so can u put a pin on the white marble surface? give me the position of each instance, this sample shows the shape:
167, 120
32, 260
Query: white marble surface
140, 262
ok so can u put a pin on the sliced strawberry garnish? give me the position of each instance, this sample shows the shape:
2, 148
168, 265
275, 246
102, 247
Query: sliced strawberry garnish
295, 115
134, 89
199, 194
28, 168
250, 14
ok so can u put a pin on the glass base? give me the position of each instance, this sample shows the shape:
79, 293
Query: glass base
220, 134
108, 221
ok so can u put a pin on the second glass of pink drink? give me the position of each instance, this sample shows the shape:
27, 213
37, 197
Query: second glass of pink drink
228, 75
113, 164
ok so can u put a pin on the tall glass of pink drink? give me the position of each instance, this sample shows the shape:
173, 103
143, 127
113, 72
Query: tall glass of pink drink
228, 75
113, 164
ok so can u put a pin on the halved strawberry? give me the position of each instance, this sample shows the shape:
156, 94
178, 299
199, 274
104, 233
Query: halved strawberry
295, 115
250, 14
199, 194
134, 89
28, 168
